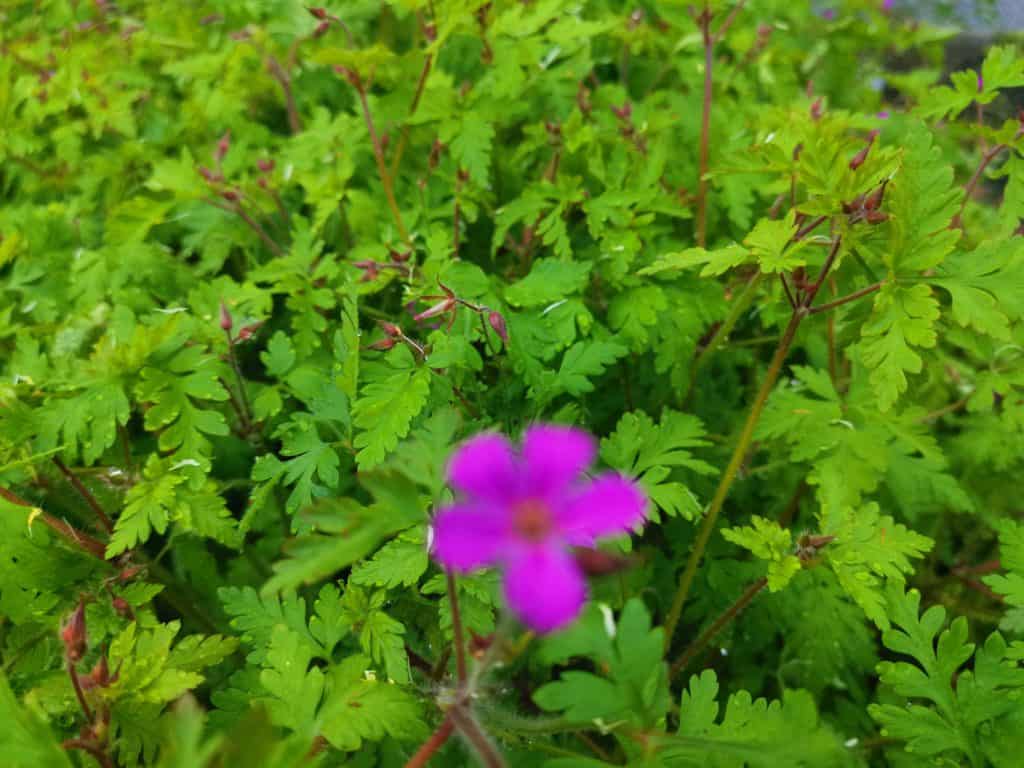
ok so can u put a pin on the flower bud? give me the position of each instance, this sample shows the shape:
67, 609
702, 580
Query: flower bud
390, 329
443, 306
223, 145
265, 164
230, 195
225, 318
318, 13
876, 217
430, 31
248, 331
98, 677
383, 345
597, 562
816, 109
497, 322
73, 634
122, 606
321, 29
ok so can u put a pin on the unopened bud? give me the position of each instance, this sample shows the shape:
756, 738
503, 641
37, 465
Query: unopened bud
98, 677
860, 157
624, 112
816, 109
596, 562
497, 322
226, 322
383, 345
874, 201
321, 29
430, 31
223, 145
400, 256
230, 195
265, 164
876, 217
73, 634
122, 606
248, 331
442, 307
390, 329
318, 13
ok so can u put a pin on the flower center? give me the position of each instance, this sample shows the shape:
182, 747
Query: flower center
532, 520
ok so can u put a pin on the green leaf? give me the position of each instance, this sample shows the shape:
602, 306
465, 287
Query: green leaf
986, 286
385, 409
549, 281
770, 242
359, 708
714, 263
28, 741
400, 562
471, 147
767, 540
651, 452
902, 318
294, 690
870, 551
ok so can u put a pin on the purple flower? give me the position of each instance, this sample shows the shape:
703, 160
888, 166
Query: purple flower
887, 5
522, 511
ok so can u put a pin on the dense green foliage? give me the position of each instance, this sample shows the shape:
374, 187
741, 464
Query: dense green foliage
223, 427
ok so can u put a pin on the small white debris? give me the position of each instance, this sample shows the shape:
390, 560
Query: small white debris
609, 620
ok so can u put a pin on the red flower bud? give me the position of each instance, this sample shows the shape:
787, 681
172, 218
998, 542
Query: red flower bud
498, 324
225, 317
265, 164
390, 329
248, 331
100, 675
73, 634
443, 306
321, 29
430, 31
122, 607
318, 13
596, 562
383, 345
223, 145
230, 195
816, 109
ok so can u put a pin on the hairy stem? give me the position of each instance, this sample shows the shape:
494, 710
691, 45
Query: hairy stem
476, 737
846, 299
972, 183
740, 304
382, 168
431, 745
403, 139
715, 627
285, 81
729, 475
86, 494
87, 746
705, 127
746, 437
246, 412
458, 639
83, 541
79, 693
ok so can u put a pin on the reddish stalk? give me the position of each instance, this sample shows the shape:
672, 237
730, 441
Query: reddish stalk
846, 299
86, 494
705, 127
802, 310
378, 154
458, 639
716, 626
432, 745
403, 139
87, 746
74, 536
972, 183
79, 693
285, 81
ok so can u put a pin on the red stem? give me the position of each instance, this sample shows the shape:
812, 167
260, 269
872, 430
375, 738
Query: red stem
382, 168
705, 128
431, 745
846, 299
458, 639
85, 542
94, 505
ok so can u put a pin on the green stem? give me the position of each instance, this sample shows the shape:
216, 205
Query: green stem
458, 639
729, 476
739, 306
717, 626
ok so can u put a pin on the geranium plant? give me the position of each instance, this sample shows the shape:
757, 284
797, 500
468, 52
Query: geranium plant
532, 383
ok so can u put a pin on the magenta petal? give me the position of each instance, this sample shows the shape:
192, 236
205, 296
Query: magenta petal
469, 536
555, 456
545, 588
485, 467
609, 505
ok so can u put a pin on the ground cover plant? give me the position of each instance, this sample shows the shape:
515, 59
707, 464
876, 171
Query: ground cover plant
544, 383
